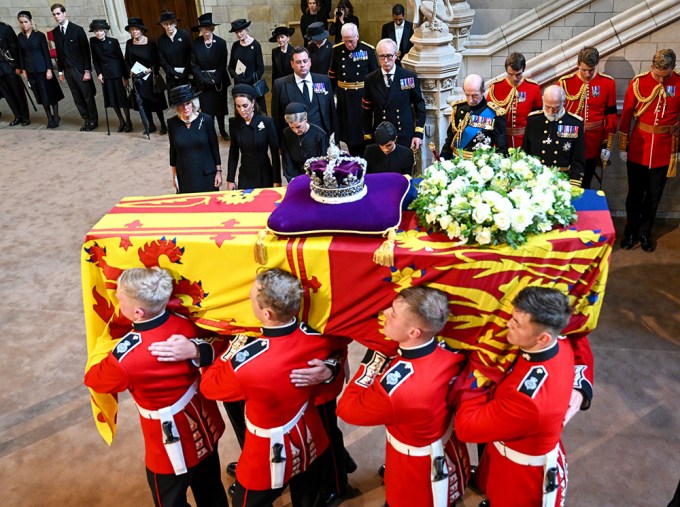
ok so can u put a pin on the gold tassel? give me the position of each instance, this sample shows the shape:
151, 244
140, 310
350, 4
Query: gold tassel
384, 255
260, 249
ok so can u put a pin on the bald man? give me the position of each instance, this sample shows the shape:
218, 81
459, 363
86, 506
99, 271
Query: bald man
556, 136
475, 122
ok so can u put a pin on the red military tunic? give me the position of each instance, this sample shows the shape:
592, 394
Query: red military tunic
526, 414
584, 374
518, 101
154, 385
595, 102
411, 398
655, 109
259, 373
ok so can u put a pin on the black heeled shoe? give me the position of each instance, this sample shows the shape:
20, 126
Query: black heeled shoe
647, 244
122, 127
164, 130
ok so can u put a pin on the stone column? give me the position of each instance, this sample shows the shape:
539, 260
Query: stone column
437, 63
117, 17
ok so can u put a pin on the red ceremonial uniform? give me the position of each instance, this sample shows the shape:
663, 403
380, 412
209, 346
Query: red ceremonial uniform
584, 373
259, 373
155, 385
411, 398
595, 102
524, 418
655, 109
518, 101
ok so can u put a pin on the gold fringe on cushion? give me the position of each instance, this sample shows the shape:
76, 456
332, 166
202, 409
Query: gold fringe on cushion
384, 255
260, 249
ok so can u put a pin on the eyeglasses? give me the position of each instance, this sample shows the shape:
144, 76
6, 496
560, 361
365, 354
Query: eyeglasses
386, 57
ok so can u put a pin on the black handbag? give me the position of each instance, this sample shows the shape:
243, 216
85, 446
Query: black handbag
260, 86
159, 85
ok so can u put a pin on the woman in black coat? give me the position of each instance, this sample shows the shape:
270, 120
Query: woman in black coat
194, 150
281, 54
344, 13
312, 14
109, 64
209, 66
36, 66
253, 138
246, 64
142, 50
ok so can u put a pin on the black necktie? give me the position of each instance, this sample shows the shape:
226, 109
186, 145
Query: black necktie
389, 79
63, 30
305, 91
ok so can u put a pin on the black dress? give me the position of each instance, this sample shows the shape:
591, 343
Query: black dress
251, 57
34, 58
281, 62
257, 145
109, 62
295, 149
209, 65
175, 54
147, 55
195, 153
336, 27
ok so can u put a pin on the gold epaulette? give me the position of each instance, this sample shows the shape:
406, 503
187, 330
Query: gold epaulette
539, 111
677, 72
496, 108
641, 75
568, 76
457, 103
338, 44
575, 116
367, 44
607, 76
497, 80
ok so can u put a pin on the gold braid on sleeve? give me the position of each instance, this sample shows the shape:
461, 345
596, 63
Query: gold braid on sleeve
580, 96
458, 129
645, 102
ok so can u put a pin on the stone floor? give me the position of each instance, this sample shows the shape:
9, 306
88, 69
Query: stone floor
624, 451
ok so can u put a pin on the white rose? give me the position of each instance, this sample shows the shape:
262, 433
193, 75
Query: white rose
453, 230
444, 222
506, 163
502, 221
447, 165
486, 173
521, 219
481, 213
483, 236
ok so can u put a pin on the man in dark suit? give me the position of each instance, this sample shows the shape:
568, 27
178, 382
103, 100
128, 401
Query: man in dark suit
312, 90
400, 31
75, 65
392, 94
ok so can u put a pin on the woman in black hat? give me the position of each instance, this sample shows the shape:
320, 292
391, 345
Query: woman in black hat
209, 65
194, 149
311, 15
253, 139
174, 51
111, 70
246, 65
143, 51
36, 66
282, 54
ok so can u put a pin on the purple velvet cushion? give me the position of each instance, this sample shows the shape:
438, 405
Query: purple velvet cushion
375, 213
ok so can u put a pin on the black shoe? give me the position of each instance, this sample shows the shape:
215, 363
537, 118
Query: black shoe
329, 500
51, 125
128, 127
350, 464
381, 471
231, 489
164, 130
484, 503
152, 129
14, 122
231, 469
85, 127
57, 120
647, 244
122, 127
628, 242
28, 122
225, 136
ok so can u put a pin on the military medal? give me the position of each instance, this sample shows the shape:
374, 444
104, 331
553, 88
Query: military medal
595, 90
567, 146
522, 97
670, 91
547, 140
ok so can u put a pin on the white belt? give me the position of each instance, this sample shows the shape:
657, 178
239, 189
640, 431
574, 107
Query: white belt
277, 448
547, 461
171, 442
440, 479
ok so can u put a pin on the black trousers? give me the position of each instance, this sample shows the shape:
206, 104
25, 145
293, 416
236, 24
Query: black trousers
334, 460
591, 164
13, 91
170, 490
304, 490
645, 188
83, 95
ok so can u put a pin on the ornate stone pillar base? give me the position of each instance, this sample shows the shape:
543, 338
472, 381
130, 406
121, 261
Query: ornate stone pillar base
437, 64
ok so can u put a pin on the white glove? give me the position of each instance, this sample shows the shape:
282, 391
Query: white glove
605, 155
623, 155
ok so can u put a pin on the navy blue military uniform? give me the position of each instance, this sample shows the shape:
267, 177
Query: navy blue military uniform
559, 143
348, 71
483, 124
401, 104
